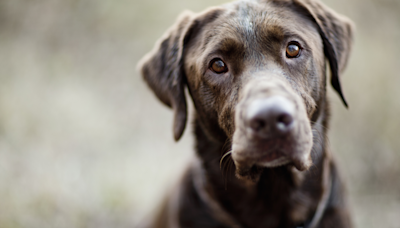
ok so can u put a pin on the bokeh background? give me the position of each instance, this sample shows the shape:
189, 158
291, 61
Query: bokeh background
84, 143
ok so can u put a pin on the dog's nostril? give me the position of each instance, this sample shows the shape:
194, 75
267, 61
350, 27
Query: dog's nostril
283, 122
257, 124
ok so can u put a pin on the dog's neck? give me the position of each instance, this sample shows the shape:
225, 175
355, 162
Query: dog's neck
274, 187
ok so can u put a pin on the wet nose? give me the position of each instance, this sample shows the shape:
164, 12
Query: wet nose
273, 115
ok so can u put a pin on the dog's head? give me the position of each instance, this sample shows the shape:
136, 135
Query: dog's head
256, 74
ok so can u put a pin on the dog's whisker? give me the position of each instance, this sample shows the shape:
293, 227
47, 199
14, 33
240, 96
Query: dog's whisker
222, 159
231, 165
226, 168
226, 146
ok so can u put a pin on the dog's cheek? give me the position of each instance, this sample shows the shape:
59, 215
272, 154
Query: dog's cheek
205, 104
202, 94
226, 120
218, 104
316, 87
309, 103
226, 116
207, 99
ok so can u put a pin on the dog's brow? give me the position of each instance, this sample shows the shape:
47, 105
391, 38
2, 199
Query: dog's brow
224, 45
228, 44
274, 32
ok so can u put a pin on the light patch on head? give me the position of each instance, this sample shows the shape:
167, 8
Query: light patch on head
246, 21
248, 24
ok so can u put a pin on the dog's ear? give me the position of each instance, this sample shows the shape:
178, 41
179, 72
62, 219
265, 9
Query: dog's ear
337, 34
162, 70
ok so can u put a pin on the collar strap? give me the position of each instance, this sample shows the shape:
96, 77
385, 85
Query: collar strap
327, 186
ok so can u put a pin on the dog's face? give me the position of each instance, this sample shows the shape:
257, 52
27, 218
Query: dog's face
256, 74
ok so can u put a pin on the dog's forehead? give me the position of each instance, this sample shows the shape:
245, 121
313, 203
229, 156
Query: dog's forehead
257, 21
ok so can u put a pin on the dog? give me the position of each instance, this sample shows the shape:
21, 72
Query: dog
256, 71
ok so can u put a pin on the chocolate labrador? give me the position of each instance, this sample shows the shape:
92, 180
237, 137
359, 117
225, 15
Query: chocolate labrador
256, 72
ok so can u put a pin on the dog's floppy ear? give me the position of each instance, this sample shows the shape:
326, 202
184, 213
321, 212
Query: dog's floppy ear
337, 33
163, 72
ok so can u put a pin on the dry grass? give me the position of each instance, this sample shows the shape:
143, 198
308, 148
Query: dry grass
78, 125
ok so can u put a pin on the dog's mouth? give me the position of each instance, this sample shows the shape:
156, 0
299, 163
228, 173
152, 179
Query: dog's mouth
273, 159
250, 160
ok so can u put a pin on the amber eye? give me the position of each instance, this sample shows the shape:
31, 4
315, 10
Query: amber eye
293, 50
218, 66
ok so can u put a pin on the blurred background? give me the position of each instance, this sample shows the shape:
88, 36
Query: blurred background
84, 143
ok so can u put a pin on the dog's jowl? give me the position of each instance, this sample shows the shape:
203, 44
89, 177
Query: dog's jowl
256, 73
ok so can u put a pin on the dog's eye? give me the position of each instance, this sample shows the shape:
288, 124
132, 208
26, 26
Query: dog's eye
218, 66
293, 50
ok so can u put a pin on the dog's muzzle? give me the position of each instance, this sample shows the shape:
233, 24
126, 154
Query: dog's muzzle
272, 128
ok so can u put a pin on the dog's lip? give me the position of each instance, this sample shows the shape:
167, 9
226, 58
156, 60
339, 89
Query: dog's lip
275, 158
301, 161
269, 158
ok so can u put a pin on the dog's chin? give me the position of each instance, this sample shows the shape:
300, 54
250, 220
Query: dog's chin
280, 161
249, 165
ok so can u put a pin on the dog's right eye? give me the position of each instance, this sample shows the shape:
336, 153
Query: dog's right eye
218, 66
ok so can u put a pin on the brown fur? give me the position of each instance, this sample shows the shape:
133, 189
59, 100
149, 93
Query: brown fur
251, 37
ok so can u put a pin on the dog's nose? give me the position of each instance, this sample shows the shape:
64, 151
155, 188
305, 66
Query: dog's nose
270, 116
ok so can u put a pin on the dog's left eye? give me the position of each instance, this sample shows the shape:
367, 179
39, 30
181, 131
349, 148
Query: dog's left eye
218, 66
293, 50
